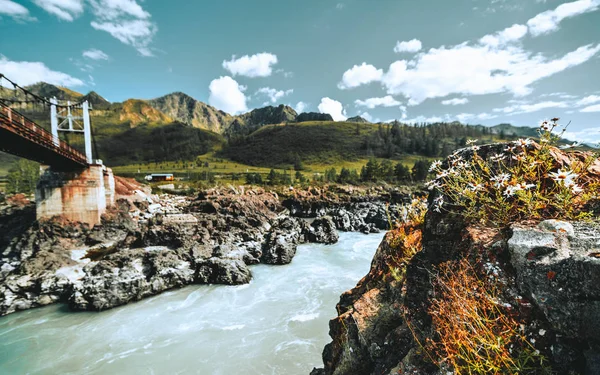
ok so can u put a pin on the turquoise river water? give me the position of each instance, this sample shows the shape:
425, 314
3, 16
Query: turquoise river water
277, 324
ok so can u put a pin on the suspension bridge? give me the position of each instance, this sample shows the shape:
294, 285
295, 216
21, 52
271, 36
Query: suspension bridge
72, 184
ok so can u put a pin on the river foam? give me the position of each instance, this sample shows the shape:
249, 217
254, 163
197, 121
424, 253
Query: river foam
277, 324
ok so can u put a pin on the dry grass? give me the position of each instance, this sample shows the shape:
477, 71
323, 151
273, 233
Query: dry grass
476, 332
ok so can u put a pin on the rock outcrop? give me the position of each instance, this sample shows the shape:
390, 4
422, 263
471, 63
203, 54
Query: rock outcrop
546, 275
148, 244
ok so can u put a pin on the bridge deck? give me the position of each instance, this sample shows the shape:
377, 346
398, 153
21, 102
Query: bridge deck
22, 137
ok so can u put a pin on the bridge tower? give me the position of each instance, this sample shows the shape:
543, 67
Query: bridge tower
80, 194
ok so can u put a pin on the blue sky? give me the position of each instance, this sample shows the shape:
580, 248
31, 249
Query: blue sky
477, 61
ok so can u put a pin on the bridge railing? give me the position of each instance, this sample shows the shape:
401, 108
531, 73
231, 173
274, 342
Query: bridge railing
26, 128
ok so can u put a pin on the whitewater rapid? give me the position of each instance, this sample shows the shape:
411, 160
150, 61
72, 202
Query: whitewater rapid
277, 324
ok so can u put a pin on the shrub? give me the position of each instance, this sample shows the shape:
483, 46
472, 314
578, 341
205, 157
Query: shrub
522, 181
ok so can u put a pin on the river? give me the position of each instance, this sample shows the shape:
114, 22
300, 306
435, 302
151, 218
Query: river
277, 324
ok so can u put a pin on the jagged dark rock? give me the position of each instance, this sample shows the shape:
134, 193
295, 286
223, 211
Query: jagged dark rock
322, 230
548, 274
140, 250
313, 116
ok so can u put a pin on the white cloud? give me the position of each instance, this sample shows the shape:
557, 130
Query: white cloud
136, 33
27, 73
386, 101
273, 94
114, 9
360, 75
591, 99
549, 21
455, 101
300, 107
592, 108
66, 10
14, 10
432, 119
334, 108
95, 54
510, 34
367, 116
589, 135
528, 108
126, 21
476, 70
412, 46
497, 63
404, 112
227, 95
464, 117
258, 65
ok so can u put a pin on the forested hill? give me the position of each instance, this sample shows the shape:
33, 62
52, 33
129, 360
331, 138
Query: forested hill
327, 142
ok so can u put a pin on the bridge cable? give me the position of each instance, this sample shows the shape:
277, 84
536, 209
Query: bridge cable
37, 97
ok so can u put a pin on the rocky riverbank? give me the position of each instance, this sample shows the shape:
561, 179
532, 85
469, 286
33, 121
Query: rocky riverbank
149, 243
541, 277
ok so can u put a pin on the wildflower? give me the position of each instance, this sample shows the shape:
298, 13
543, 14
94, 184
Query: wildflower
474, 187
511, 190
575, 189
566, 176
509, 148
463, 165
518, 157
498, 157
442, 174
545, 125
456, 160
523, 142
501, 179
475, 148
433, 185
471, 141
435, 165
438, 203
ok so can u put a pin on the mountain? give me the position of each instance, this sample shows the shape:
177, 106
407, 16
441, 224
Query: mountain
188, 110
97, 101
519, 131
255, 119
138, 112
313, 116
47, 90
358, 119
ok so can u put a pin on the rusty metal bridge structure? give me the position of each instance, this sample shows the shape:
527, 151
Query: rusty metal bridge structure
23, 137
72, 185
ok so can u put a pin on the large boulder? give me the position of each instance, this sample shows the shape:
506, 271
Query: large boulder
557, 266
322, 230
223, 271
282, 241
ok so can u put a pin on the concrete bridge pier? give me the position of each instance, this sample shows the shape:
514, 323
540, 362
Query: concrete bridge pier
82, 195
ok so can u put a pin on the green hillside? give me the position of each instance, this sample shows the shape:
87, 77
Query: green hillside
327, 142
172, 142
313, 142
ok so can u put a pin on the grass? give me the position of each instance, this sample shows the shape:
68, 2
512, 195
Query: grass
321, 142
224, 168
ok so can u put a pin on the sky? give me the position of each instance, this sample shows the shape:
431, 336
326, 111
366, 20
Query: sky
475, 61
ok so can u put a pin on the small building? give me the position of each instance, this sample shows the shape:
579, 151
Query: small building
159, 177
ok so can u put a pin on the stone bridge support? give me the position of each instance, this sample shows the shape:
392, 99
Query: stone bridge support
81, 195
